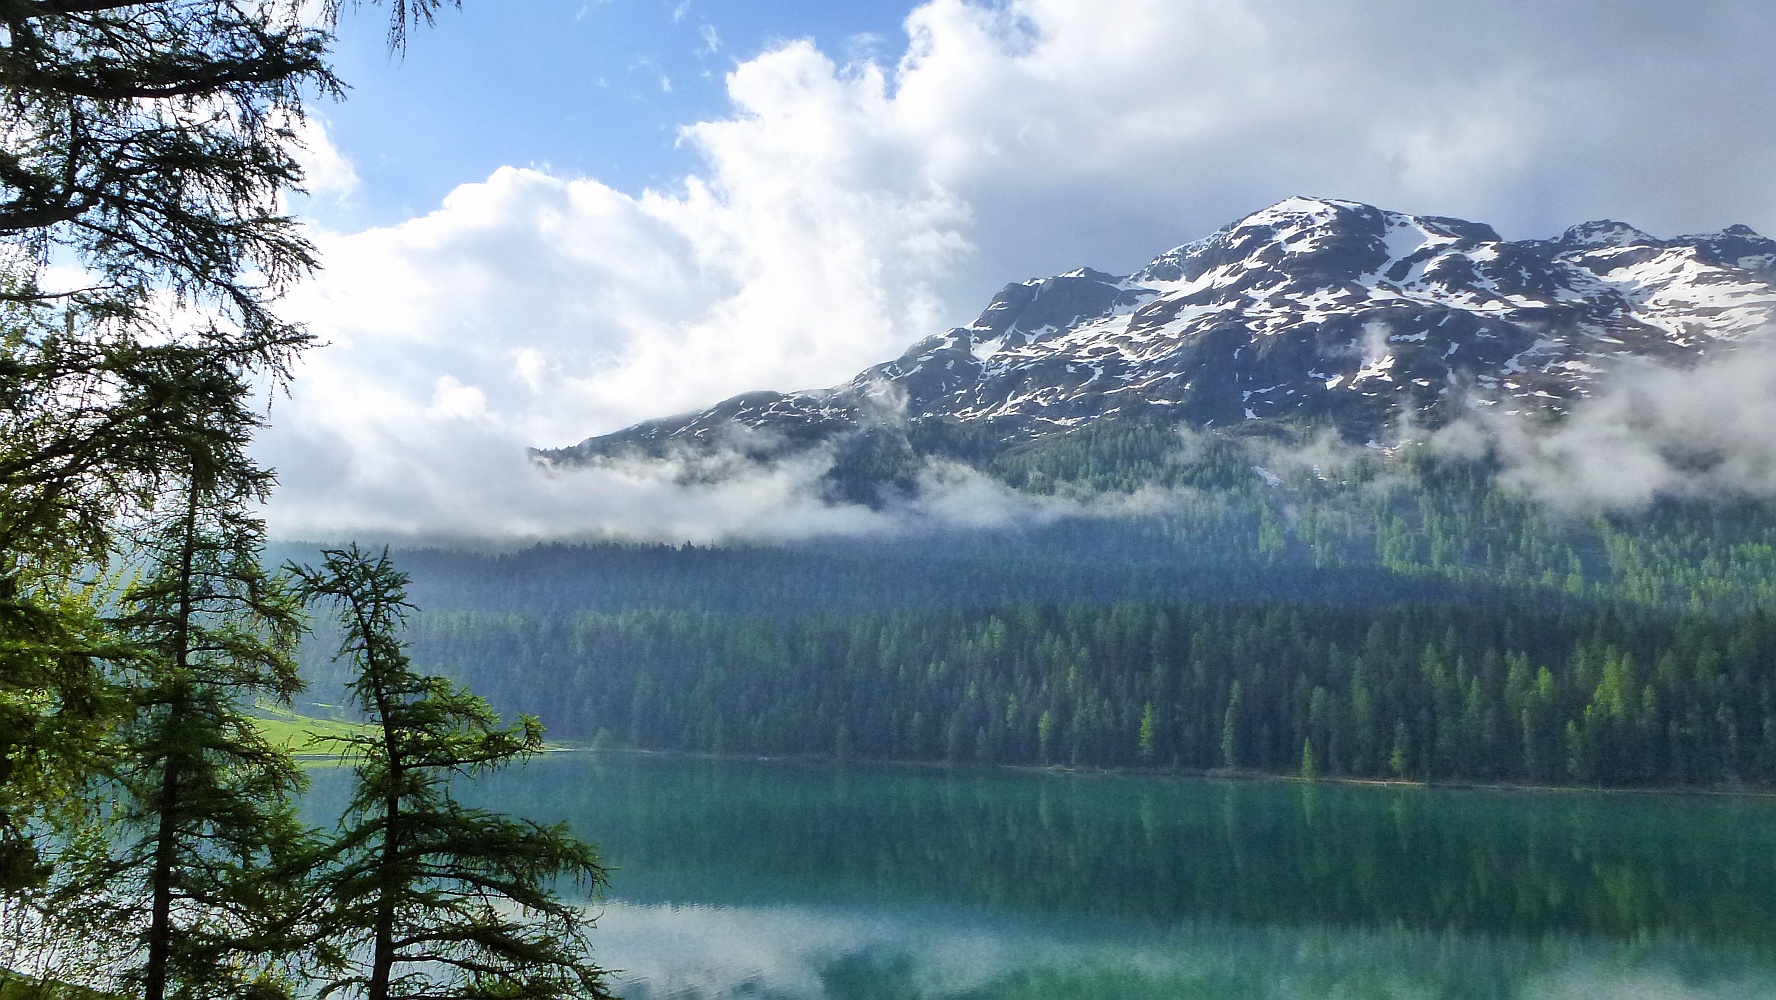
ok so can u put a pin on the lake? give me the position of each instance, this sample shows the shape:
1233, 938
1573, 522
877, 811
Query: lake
769, 879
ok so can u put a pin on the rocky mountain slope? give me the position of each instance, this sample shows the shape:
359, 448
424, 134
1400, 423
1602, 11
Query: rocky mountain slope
1312, 310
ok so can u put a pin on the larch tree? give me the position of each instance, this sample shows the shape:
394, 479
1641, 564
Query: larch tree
147, 149
203, 876
426, 896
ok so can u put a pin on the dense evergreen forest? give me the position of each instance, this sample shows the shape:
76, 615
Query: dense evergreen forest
1393, 618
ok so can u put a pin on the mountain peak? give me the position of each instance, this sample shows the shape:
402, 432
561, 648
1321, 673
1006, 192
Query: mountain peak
1300, 215
1605, 233
1302, 207
1091, 273
1313, 310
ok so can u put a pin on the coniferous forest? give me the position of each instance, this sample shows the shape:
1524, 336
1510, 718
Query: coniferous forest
1408, 619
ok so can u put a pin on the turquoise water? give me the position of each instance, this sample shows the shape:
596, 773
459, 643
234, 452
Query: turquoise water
760, 879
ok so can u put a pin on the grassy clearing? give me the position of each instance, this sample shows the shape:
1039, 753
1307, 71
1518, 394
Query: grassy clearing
303, 735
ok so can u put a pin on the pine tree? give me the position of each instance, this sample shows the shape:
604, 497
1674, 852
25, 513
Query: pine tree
150, 146
205, 876
1230, 746
1145, 739
429, 897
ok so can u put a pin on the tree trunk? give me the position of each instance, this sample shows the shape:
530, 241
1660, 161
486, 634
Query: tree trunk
389, 876
382, 960
160, 929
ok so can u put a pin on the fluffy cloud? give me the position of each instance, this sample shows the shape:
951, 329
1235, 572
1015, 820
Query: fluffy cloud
326, 171
1653, 432
843, 210
511, 501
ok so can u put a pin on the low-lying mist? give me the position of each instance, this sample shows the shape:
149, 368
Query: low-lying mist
1649, 431
502, 499
1653, 431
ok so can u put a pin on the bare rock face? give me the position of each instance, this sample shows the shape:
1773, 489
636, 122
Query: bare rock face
1312, 310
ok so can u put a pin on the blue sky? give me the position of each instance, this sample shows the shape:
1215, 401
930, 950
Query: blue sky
530, 238
579, 87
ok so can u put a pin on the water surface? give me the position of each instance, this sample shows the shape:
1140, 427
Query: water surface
764, 879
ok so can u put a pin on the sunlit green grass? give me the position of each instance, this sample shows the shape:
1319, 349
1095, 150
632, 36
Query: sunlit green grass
307, 735
303, 735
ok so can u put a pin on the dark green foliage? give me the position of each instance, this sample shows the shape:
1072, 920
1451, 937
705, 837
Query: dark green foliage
153, 141
1405, 618
90, 436
428, 897
202, 875
870, 467
151, 145
1476, 692
23, 988
148, 145
1125, 455
56, 707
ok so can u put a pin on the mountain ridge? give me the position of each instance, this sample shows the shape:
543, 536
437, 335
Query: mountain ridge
1311, 310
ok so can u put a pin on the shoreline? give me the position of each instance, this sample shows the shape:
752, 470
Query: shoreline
1218, 773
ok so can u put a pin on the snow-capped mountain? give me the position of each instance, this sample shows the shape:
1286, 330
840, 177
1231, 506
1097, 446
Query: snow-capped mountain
1312, 309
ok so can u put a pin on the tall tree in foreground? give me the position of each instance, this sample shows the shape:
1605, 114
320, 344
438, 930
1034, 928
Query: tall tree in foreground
147, 151
429, 897
203, 877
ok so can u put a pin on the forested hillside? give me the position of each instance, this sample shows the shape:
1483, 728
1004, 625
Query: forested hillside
1400, 617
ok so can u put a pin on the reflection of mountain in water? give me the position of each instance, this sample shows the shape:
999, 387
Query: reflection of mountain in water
1161, 851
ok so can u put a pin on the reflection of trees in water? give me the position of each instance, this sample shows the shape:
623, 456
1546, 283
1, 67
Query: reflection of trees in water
1168, 850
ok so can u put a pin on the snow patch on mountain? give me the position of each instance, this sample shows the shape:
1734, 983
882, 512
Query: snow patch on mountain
1313, 309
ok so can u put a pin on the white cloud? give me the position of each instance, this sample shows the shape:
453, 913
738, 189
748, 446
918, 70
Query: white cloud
710, 40
844, 210
326, 172
1653, 432
790, 950
411, 498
